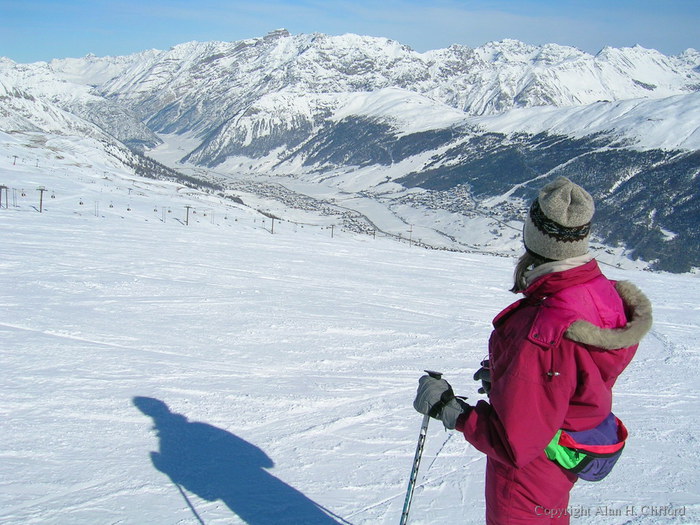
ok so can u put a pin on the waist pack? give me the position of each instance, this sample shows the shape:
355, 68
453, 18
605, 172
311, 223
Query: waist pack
590, 454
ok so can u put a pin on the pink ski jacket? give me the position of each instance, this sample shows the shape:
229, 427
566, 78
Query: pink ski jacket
555, 356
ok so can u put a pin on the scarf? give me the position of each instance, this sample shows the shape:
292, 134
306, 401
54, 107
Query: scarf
556, 266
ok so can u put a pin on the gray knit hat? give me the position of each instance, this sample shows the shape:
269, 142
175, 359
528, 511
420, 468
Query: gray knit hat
559, 222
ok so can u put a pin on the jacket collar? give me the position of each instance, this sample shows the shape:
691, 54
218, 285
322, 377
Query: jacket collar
551, 283
556, 266
637, 308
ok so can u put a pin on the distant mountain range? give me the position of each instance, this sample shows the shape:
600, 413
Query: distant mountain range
444, 135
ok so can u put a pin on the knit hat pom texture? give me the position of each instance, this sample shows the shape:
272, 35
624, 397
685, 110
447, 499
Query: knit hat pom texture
566, 203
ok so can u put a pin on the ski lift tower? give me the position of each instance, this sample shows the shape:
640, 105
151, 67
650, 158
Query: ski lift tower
41, 191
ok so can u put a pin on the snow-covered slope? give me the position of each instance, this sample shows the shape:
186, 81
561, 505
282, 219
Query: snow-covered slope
21, 111
408, 112
68, 92
216, 373
667, 123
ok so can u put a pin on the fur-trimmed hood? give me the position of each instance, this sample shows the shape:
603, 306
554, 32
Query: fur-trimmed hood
639, 313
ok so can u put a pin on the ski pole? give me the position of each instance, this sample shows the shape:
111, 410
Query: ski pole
189, 503
416, 459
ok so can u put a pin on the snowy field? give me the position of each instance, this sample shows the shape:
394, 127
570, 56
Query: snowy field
157, 373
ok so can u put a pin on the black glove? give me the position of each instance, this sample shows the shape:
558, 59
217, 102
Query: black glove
484, 375
436, 398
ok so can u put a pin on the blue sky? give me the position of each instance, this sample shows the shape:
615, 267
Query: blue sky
32, 30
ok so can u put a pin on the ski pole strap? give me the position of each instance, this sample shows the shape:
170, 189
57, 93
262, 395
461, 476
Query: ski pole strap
447, 396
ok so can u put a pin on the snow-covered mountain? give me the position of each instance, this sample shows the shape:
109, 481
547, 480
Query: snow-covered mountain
243, 89
453, 133
234, 89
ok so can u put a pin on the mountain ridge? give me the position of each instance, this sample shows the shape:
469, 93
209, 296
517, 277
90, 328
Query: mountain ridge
343, 108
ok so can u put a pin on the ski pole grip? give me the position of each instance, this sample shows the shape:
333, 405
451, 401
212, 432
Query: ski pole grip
433, 374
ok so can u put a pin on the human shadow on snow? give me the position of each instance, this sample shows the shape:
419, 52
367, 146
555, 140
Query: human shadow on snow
217, 465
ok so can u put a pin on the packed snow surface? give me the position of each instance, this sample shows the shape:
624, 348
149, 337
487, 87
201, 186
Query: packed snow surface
156, 372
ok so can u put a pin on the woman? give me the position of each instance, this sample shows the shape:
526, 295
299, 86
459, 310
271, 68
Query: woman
554, 357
